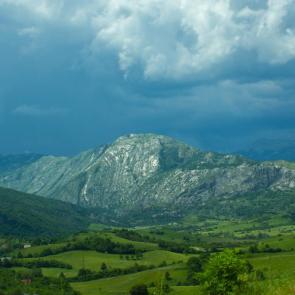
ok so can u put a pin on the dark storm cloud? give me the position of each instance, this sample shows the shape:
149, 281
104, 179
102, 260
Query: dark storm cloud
218, 74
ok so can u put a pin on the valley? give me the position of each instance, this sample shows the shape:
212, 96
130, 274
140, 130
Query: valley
154, 251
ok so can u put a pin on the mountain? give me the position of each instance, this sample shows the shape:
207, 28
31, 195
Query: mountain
150, 175
11, 162
26, 215
271, 150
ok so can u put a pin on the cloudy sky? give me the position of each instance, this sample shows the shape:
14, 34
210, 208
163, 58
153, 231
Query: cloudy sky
218, 74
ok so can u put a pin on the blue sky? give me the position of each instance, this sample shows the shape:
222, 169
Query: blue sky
74, 74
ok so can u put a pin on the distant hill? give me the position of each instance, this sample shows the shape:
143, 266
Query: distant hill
271, 150
25, 215
11, 162
150, 177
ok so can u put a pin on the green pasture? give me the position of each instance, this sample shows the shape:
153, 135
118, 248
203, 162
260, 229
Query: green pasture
55, 272
122, 284
93, 260
36, 250
275, 266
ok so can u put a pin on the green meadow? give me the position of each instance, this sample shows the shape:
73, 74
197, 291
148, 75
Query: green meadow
92, 260
121, 285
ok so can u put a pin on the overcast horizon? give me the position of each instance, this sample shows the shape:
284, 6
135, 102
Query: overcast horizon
219, 75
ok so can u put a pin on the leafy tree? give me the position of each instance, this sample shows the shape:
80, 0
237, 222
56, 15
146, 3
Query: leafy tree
62, 280
225, 273
139, 290
83, 272
194, 265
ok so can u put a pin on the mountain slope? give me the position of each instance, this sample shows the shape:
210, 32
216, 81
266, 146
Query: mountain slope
28, 215
148, 173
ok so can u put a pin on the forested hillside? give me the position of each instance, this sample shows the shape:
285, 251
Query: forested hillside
23, 214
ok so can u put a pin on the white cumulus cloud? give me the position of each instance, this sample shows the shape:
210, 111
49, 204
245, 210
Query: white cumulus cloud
168, 38
172, 39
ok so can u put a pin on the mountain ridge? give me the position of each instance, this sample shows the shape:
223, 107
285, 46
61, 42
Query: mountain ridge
148, 172
271, 150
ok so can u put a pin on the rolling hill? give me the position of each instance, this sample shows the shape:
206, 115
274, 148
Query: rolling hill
26, 215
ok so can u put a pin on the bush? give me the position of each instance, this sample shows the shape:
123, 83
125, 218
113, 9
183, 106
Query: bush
139, 290
194, 264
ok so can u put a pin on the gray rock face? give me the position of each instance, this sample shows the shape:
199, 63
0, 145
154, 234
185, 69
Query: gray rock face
147, 171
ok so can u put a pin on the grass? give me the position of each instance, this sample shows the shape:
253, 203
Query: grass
36, 250
185, 290
93, 260
146, 246
49, 272
275, 266
122, 284
286, 242
55, 272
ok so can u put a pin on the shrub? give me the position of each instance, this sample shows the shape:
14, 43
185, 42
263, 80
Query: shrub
225, 273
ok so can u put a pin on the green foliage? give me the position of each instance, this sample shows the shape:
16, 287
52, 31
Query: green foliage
175, 247
32, 282
194, 265
225, 273
5, 263
132, 235
97, 243
265, 249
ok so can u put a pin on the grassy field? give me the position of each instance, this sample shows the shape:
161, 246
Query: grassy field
93, 260
138, 245
143, 246
55, 272
275, 266
122, 284
36, 250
